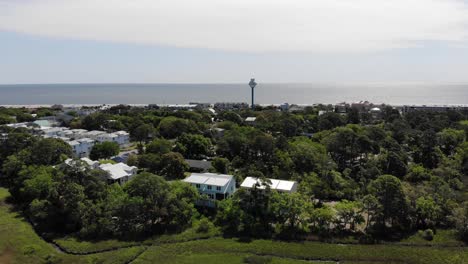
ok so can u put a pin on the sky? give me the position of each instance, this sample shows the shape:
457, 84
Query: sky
221, 41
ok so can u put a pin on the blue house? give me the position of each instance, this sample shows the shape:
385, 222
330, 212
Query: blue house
216, 187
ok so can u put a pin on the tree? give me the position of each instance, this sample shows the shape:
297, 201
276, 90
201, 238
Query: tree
49, 151
152, 194
159, 146
428, 212
104, 150
142, 133
418, 173
460, 217
220, 165
389, 193
290, 211
330, 120
193, 146
322, 219
159, 205
172, 127
308, 156
173, 166
231, 116
449, 139
348, 214
371, 207
353, 116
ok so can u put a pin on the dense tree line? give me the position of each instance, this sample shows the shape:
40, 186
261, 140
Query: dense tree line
357, 174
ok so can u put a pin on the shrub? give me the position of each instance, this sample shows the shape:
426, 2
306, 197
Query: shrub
428, 234
204, 226
257, 259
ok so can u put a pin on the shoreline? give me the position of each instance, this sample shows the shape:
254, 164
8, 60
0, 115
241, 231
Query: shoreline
30, 106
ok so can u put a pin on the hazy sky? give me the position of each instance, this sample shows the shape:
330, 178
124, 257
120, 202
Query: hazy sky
54, 41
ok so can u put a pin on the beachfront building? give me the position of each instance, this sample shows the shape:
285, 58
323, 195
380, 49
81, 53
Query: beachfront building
214, 186
118, 173
278, 185
81, 147
433, 108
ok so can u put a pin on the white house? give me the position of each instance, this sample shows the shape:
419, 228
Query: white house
250, 120
94, 134
53, 131
123, 137
107, 137
215, 186
279, 185
78, 133
81, 147
120, 172
91, 163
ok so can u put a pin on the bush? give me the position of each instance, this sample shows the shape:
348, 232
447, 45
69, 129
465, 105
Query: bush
257, 259
204, 226
428, 234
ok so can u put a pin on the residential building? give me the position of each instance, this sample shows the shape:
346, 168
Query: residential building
123, 137
120, 172
94, 134
250, 120
81, 147
91, 163
215, 186
278, 185
198, 165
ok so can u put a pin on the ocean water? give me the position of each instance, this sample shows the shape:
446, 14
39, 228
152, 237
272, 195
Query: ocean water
265, 93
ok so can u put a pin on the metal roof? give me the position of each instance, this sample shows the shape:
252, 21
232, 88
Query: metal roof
209, 179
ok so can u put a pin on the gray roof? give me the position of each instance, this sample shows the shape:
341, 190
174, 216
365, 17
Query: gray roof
209, 179
200, 164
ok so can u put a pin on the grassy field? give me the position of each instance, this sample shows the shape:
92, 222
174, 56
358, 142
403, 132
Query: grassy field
441, 238
308, 251
72, 244
20, 244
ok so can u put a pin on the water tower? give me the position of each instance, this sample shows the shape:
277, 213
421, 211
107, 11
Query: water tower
252, 85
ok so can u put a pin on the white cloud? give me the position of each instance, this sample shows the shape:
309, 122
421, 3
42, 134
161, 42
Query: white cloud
245, 25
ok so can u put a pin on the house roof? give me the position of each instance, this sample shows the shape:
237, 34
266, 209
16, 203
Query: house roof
209, 179
279, 185
250, 119
73, 143
85, 140
95, 133
117, 171
201, 164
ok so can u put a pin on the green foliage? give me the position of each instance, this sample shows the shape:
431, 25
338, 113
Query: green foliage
393, 207
173, 127
193, 146
173, 166
159, 146
220, 165
104, 150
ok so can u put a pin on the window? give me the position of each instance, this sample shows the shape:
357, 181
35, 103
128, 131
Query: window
218, 188
211, 196
198, 186
208, 187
